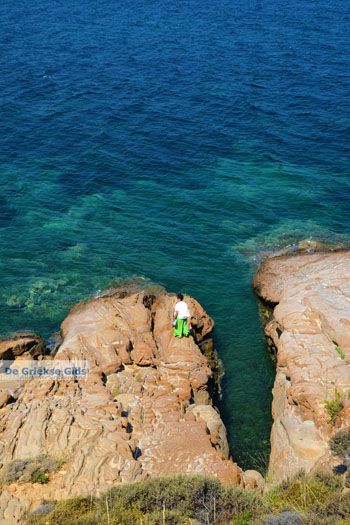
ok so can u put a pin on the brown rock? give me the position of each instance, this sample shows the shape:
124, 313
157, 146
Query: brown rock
310, 297
253, 480
5, 397
132, 417
214, 425
30, 344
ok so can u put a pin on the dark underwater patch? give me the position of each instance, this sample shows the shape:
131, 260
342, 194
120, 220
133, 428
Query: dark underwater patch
8, 213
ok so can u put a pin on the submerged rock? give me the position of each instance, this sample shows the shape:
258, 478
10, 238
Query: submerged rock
144, 409
309, 328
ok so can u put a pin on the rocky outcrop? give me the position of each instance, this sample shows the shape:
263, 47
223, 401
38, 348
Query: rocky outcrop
26, 345
308, 297
144, 409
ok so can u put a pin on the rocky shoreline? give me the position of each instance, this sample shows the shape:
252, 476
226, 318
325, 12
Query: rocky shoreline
143, 411
308, 299
146, 408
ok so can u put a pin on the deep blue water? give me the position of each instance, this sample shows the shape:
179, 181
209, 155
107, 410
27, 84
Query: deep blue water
175, 141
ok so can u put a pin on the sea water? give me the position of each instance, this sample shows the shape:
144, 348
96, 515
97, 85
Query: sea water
172, 142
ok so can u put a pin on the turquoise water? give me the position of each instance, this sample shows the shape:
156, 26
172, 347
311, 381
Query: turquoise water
174, 143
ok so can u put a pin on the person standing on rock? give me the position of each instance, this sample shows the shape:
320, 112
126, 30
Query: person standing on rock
182, 323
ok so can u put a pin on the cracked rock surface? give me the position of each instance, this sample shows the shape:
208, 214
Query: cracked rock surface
144, 409
309, 327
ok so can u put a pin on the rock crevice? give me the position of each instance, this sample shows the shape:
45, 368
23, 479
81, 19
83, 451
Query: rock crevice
310, 295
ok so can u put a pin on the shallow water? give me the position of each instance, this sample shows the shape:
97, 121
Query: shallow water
173, 141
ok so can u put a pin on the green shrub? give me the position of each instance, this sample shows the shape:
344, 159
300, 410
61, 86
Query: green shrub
16, 470
302, 491
340, 352
177, 500
23, 470
49, 463
77, 511
115, 392
170, 517
183, 500
334, 407
347, 480
329, 480
39, 476
332, 511
244, 519
340, 443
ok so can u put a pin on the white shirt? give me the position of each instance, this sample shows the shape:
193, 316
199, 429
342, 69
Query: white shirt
182, 310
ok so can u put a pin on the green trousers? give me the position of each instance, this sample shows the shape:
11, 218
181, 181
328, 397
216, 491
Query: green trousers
181, 328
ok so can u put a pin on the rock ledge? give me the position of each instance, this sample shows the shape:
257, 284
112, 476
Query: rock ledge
309, 327
144, 410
